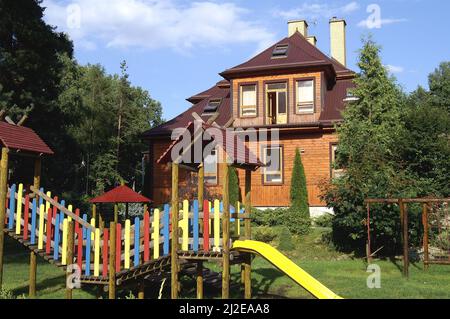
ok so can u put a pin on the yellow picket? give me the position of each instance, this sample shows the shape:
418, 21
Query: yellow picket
209, 207
19, 209
47, 204
185, 225
97, 253
156, 217
64, 241
127, 244
216, 225
70, 208
41, 227
93, 226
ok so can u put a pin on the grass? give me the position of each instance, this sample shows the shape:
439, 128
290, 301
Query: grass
343, 274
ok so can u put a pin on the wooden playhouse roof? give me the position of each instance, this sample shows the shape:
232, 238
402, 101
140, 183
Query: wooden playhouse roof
22, 138
120, 194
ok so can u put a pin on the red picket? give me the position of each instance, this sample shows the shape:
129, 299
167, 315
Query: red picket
146, 236
77, 224
49, 232
205, 225
105, 252
80, 248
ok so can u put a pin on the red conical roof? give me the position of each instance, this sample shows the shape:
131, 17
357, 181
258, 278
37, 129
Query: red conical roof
121, 194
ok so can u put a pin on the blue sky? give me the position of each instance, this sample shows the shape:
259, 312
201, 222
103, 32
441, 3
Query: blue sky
175, 49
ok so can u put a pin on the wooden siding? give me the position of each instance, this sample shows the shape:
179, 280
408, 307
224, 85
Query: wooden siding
293, 118
316, 160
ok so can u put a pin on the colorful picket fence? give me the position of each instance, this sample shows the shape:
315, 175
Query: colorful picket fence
138, 241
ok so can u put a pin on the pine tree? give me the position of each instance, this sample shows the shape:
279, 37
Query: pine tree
233, 185
369, 139
299, 192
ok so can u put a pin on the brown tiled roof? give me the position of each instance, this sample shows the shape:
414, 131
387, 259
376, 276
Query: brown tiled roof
334, 101
217, 91
300, 53
23, 139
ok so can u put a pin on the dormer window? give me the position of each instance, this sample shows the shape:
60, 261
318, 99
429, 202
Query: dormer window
350, 97
280, 51
212, 106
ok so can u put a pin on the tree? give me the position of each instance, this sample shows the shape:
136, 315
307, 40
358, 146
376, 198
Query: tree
368, 150
439, 83
29, 63
233, 186
299, 192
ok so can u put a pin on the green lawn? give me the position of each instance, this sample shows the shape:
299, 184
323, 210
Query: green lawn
343, 274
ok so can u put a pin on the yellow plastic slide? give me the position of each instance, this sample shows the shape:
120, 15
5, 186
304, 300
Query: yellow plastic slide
285, 265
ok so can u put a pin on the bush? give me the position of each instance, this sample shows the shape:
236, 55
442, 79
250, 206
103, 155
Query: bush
285, 239
325, 220
296, 222
264, 234
289, 217
6, 294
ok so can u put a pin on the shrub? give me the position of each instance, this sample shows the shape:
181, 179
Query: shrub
264, 234
6, 294
299, 192
233, 186
285, 239
325, 220
296, 222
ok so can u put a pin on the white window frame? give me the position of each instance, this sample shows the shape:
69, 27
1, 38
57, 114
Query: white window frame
211, 178
247, 110
279, 172
305, 107
335, 172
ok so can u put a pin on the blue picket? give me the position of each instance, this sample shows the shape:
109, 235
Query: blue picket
61, 214
87, 270
166, 230
33, 222
136, 240
41, 200
12, 206
56, 238
84, 228
195, 226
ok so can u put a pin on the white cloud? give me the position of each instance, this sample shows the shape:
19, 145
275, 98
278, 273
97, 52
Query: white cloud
155, 24
317, 10
394, 68
367, 23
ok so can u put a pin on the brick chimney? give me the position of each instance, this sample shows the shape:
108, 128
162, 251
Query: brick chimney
298, 25
337, 40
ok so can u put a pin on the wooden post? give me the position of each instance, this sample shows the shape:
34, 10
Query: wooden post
226, 233
201, 191
116, 213
70, 246
248, 259
33, 262
3, 195
201, 186
141, 291
94, 214
404, 215
174, 247
199, 280
112, 261
425, 236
